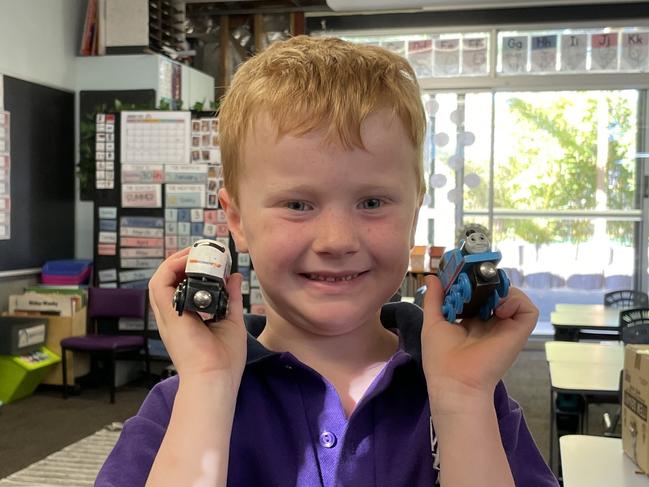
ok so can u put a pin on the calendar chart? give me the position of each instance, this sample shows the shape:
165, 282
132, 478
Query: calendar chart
155, 137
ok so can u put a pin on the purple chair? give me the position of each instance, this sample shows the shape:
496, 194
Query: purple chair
107, 342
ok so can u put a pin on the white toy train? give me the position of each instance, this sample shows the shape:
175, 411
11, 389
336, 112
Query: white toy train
203, 290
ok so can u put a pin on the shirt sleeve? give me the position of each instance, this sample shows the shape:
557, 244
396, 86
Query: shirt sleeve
130, 461
525, 460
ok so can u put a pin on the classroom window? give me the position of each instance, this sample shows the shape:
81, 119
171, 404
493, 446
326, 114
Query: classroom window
553, 174
546, 148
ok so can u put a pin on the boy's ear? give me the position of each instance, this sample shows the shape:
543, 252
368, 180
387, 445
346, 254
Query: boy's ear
233, 216
414, 227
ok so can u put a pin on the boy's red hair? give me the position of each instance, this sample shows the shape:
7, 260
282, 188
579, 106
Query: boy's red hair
307, 83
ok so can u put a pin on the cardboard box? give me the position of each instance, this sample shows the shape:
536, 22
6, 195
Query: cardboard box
635, 387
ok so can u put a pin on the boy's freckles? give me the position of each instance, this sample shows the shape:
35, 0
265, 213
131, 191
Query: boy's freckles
328, 228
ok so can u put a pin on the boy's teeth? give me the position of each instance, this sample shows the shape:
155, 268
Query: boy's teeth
317, 277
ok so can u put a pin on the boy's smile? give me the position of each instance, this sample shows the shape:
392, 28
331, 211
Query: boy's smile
328, 229
334, 282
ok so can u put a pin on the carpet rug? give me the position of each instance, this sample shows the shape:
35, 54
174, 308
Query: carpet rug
76, 465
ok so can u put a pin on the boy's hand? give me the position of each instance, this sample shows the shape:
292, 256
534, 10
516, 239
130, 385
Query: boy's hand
463, 362
199, 351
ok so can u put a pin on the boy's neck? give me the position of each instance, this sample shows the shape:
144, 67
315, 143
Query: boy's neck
365, 346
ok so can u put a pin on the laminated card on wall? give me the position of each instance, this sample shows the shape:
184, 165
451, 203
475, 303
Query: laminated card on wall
5, 193
105, 151
141, 195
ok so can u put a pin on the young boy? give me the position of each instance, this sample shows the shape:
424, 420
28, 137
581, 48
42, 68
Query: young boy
322, 153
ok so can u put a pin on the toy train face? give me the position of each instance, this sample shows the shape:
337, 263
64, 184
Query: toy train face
203, 290
472, 282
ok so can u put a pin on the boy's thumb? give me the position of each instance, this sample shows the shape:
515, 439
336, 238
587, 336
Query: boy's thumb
433, 300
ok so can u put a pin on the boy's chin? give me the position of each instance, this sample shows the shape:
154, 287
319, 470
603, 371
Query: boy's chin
336, 319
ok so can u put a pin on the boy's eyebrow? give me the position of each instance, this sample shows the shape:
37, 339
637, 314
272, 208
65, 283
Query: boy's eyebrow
369, 188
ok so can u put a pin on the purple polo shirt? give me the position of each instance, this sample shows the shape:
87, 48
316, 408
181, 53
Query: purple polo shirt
290, 428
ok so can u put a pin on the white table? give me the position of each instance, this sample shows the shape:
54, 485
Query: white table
569, 320
588, 308
591, 353
596, 461
585, 378
588, 369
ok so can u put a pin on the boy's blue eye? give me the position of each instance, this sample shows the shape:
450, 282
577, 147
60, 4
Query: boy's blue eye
297, 205
371, 204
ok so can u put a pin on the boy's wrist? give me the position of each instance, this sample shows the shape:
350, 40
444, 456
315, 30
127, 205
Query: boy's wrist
457, 413
222, 384
448, 398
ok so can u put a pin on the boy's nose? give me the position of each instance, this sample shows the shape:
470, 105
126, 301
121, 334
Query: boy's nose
336, 233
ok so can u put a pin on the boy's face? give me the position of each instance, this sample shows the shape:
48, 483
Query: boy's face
329, 230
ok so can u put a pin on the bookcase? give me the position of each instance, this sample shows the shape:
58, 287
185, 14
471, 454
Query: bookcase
166, 26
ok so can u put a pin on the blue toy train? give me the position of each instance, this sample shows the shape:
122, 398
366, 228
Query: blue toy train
473, 285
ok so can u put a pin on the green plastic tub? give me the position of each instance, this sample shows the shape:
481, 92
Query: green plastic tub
20, 375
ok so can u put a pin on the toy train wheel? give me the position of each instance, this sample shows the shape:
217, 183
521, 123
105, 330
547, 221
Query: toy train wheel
222, 308
488, 307
464, 284
456, 298
503, 288
448, 309
180, 297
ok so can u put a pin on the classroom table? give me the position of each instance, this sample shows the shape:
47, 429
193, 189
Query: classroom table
572, 321
580, 307
593, 353
585, 378
597, 461
591, 370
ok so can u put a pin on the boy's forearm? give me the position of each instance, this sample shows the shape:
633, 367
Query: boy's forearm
196, 446
470, 447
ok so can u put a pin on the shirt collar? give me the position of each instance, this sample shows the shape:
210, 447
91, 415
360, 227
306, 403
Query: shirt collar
407, 318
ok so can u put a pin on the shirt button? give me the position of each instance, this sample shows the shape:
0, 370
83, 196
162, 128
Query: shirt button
327, 439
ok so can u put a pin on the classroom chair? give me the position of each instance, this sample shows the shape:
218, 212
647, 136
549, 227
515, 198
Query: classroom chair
107, 342
634, 325
626, 298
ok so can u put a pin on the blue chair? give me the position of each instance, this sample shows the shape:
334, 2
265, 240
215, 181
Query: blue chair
585, 281
618, 281
539, 280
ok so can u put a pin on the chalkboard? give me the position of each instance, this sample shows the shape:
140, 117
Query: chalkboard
42, 175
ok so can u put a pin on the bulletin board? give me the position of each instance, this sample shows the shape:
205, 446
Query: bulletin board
42, 175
